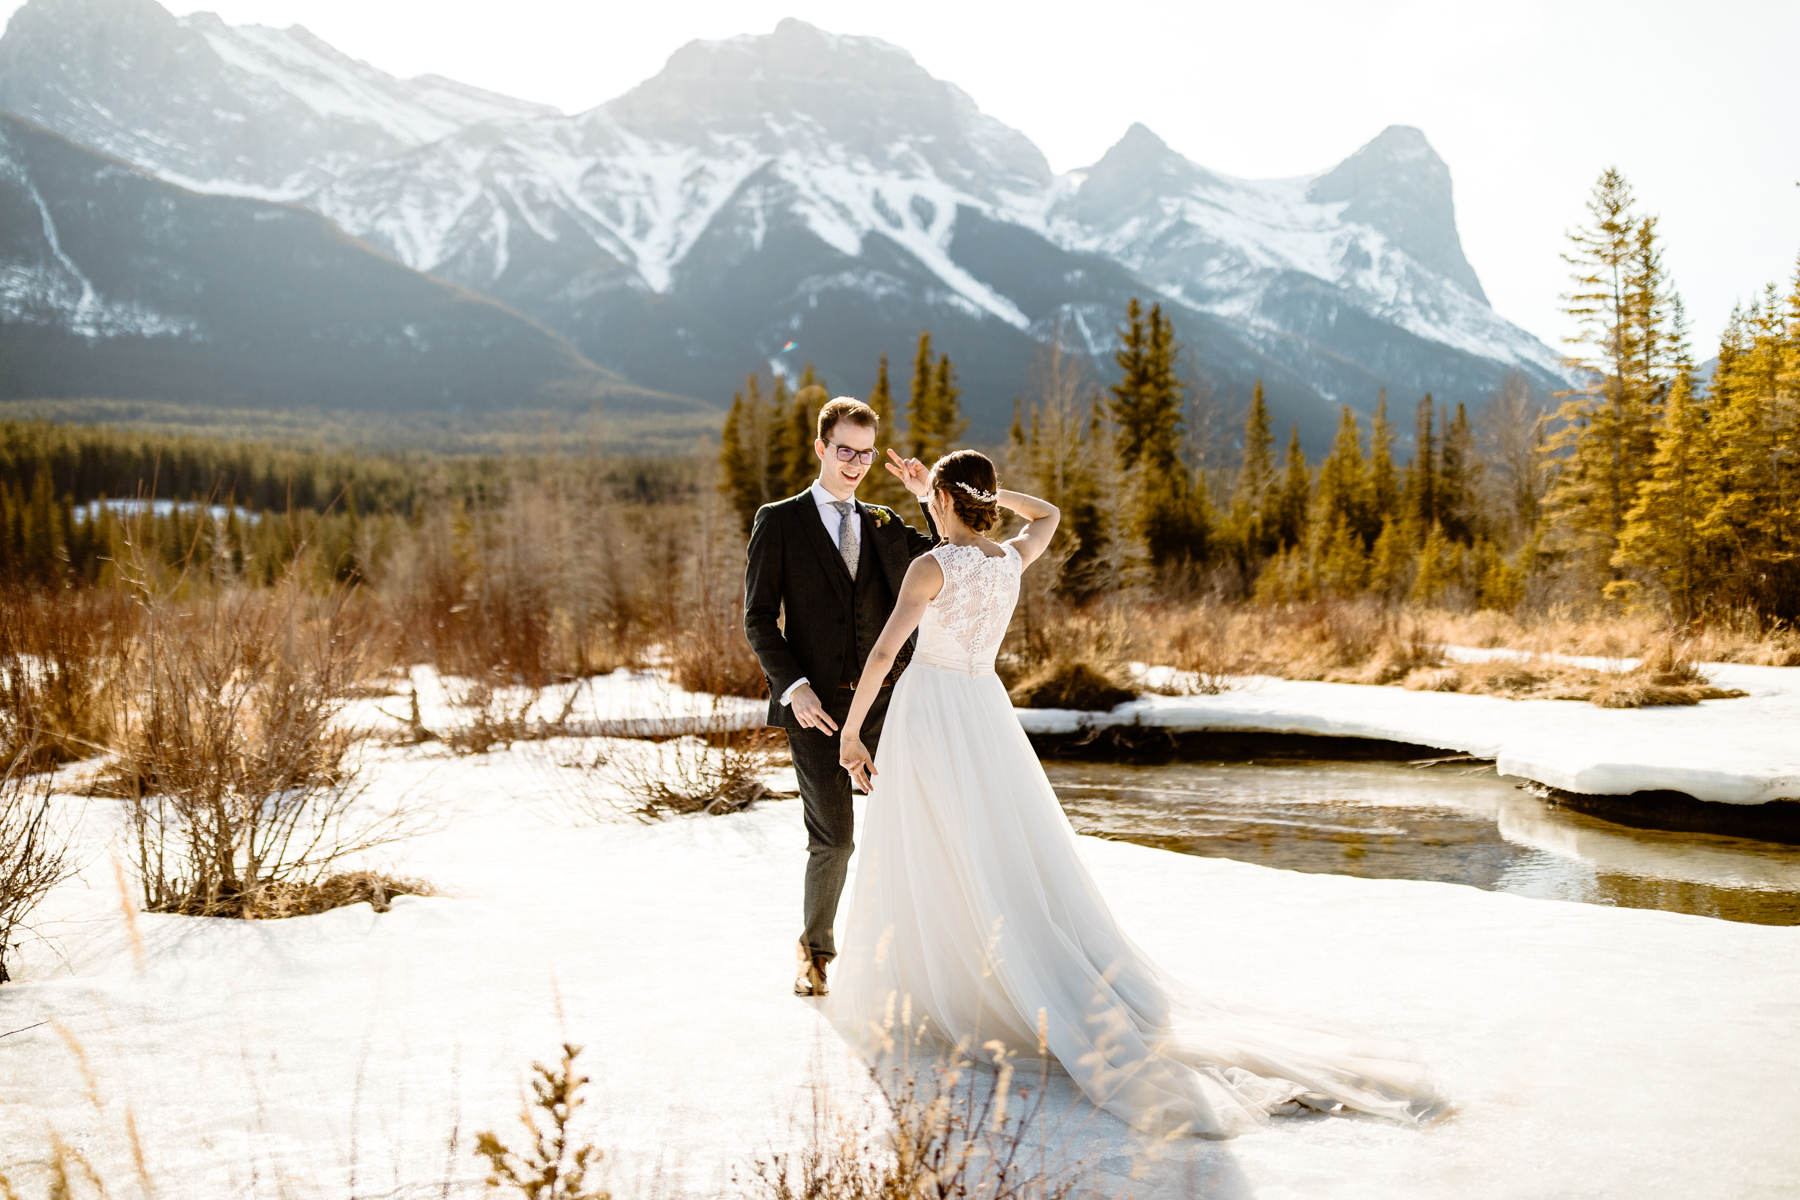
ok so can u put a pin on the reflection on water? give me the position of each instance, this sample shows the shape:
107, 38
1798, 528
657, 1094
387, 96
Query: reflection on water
1452, 822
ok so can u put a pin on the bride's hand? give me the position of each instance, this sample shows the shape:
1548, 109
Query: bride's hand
854, 757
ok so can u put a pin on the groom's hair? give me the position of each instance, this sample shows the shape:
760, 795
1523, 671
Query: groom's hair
845, 408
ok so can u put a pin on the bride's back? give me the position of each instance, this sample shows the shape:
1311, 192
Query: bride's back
963, 625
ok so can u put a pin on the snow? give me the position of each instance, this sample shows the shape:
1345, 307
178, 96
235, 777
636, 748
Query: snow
1592, 1050
334, 85
1738, 751
1253, 230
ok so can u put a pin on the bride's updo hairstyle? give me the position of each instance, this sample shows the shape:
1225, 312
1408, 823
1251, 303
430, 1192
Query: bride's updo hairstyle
963, 474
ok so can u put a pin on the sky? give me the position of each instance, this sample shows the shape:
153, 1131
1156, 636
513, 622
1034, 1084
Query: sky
1526, 102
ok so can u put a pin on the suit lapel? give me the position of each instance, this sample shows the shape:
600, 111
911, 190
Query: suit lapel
889, 551
833, 564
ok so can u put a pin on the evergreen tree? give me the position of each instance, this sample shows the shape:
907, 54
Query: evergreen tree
948, 423
920, 420
881, 486
781, 463
1171, 517
1384, 484
1602, 446
1252, 498
1295, 494
1458, 480
738, 478
1420, 509
1436, 568
1342, 568
801, 432
1664, 531
1131, 394
1341, 500
1388, 563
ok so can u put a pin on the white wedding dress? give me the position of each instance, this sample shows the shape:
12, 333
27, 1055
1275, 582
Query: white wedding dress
971, 909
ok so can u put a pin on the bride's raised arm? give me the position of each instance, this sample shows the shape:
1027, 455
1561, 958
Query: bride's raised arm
924, 579
1041, 520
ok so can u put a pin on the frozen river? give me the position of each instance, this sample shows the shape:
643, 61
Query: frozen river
1452, 822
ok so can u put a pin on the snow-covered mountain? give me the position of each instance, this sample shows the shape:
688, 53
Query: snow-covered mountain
114, 283
804, 189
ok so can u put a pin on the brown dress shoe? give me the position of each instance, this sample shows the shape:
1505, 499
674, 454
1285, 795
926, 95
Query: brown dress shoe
810, 979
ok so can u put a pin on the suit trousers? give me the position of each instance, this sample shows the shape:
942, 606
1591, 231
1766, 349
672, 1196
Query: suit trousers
825, 797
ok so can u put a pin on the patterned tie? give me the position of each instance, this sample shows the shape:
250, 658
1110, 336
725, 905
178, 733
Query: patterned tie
847, 543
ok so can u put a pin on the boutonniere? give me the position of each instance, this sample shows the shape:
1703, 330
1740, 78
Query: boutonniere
881, 516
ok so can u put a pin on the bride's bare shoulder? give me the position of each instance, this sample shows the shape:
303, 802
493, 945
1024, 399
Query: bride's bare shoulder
925, 577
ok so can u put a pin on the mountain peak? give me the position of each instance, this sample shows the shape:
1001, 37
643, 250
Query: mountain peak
1140, 140
1402, 142
846, 90
1397, 183
1139, 166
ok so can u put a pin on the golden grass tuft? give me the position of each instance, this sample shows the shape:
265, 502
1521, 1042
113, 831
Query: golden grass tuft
1078, 685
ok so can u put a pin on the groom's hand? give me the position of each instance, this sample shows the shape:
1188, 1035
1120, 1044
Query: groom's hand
809, 712
909, 471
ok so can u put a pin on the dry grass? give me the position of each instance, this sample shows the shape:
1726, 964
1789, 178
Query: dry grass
552, 1165
1363, 642
1737, 636
945, 1136
1069, 658
1075, 685
1663, 676
306, 898
60, 654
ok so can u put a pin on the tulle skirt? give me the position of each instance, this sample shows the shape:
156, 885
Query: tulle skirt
972, 911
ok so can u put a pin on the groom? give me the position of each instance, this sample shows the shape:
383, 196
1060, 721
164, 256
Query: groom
835, 566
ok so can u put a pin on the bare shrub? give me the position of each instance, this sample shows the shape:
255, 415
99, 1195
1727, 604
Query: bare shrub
527, 588
60, 654
1194, 640
33, 857
1100, 635
231, 760
490, 714
712, 766
712, 654
707, 648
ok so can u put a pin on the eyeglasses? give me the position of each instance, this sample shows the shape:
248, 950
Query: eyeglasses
850, 454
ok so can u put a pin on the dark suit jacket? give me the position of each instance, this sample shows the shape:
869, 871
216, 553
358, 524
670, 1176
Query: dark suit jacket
793, 565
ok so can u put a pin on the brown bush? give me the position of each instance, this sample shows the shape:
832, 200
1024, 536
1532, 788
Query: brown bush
1077, 685
230, 758
61, 653
33, 855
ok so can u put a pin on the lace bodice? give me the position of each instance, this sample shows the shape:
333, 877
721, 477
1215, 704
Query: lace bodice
964, 623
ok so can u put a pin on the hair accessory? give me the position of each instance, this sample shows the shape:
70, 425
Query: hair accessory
984, 497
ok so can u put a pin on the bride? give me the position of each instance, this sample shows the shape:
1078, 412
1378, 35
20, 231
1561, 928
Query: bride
972, 906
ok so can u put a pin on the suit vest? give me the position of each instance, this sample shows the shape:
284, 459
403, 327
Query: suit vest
871, 603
